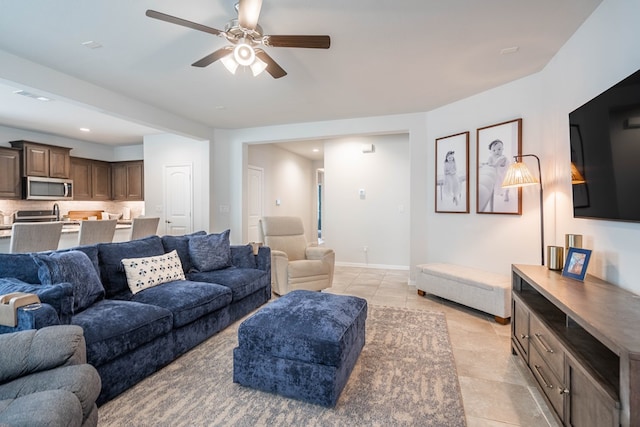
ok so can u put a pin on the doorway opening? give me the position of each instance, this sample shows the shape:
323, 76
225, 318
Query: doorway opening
320, 202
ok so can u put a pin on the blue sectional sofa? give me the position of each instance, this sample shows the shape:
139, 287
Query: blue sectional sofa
132, 325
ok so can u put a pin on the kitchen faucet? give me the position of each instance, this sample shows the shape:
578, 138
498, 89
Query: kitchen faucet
56, 211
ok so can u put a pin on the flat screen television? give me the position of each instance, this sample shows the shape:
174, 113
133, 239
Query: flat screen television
605, 148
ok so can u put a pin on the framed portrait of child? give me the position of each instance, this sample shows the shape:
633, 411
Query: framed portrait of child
496, 146
452, 173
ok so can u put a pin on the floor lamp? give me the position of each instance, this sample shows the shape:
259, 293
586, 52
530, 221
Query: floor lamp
518, 175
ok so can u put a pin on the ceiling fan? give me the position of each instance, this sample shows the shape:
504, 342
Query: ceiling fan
245, 36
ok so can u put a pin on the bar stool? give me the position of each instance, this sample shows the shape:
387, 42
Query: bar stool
143, 227
35, 236
92, 232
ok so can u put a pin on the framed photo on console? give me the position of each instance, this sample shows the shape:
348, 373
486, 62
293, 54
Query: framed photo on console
496, 146
575, 267
452, 173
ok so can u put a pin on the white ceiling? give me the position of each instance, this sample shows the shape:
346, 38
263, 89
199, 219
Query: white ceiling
386, 57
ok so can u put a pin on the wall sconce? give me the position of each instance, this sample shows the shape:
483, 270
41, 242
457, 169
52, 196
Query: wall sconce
518, 175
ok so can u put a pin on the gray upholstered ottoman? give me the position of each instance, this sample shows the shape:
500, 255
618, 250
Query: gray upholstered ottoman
303, 345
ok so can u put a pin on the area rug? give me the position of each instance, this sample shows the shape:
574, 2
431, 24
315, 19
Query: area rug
405, 376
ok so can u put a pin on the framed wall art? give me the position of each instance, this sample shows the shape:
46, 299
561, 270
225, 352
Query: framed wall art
496, 146
452, 173
575, 266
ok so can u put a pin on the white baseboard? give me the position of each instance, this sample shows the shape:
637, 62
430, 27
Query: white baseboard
377, 266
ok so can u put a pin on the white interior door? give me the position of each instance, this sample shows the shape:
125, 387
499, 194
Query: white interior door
255, 205
178, 202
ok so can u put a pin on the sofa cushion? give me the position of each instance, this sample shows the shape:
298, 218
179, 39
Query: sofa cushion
181, 244
144, 273
242, 256
111, 255
19, 266
241, 281
113, 328
76, 268
210, 252
90, 250
59, 295
187, 300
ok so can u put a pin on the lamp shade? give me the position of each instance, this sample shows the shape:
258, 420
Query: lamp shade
518, 175
230, 63
244, 54
576, 176
258, 66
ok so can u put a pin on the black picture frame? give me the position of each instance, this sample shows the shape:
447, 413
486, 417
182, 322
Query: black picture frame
575, 266
491, 166
452, 176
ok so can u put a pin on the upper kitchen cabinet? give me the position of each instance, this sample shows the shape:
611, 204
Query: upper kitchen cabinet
91, 179
127, 180
10, 173
44, 160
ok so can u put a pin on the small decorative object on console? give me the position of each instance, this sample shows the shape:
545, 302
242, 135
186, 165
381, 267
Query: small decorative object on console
577, 262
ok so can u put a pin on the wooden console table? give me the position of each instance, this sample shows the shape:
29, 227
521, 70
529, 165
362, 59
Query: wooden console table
581, 341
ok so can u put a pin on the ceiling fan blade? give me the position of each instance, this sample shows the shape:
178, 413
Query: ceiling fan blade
209, 59
174, 20
313, 42
248, 13
273, 68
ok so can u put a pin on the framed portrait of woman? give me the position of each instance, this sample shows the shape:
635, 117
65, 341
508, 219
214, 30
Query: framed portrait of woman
496, 146
452, 173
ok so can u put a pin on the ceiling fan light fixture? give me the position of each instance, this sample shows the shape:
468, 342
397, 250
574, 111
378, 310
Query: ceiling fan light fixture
244, 54
258, 66
229, 63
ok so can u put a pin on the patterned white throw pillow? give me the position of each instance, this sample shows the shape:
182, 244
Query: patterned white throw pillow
144, 273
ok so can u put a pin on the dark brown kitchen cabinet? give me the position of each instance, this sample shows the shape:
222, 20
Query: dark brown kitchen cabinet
127, 180
44, 160
91, 179
10, 173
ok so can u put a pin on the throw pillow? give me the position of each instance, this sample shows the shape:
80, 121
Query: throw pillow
210, 252
76, 268
181, 244
144, 273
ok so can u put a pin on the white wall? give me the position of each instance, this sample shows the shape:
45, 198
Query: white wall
601, 52
166, 150
378, 221
289, 178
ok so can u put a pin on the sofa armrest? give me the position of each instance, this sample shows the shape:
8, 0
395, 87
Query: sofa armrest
59, 296
263, 259
279, 272
38, 318
319, 253
26, 352
326, 255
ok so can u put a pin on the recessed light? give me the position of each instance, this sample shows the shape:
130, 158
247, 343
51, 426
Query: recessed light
316, 150
91, 44
32, 95
85, 129
509, 50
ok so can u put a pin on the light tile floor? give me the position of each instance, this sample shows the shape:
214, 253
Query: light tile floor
496, 389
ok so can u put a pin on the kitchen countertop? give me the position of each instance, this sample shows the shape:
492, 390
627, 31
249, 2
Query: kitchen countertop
67, 227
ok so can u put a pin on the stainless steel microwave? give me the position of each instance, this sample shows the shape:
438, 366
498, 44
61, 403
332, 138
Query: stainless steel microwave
38, 188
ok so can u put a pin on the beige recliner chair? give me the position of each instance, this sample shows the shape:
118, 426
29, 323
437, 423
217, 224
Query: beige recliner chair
294, 263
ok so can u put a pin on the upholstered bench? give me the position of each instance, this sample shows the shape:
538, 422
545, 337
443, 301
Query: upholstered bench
482, 290
304, 345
